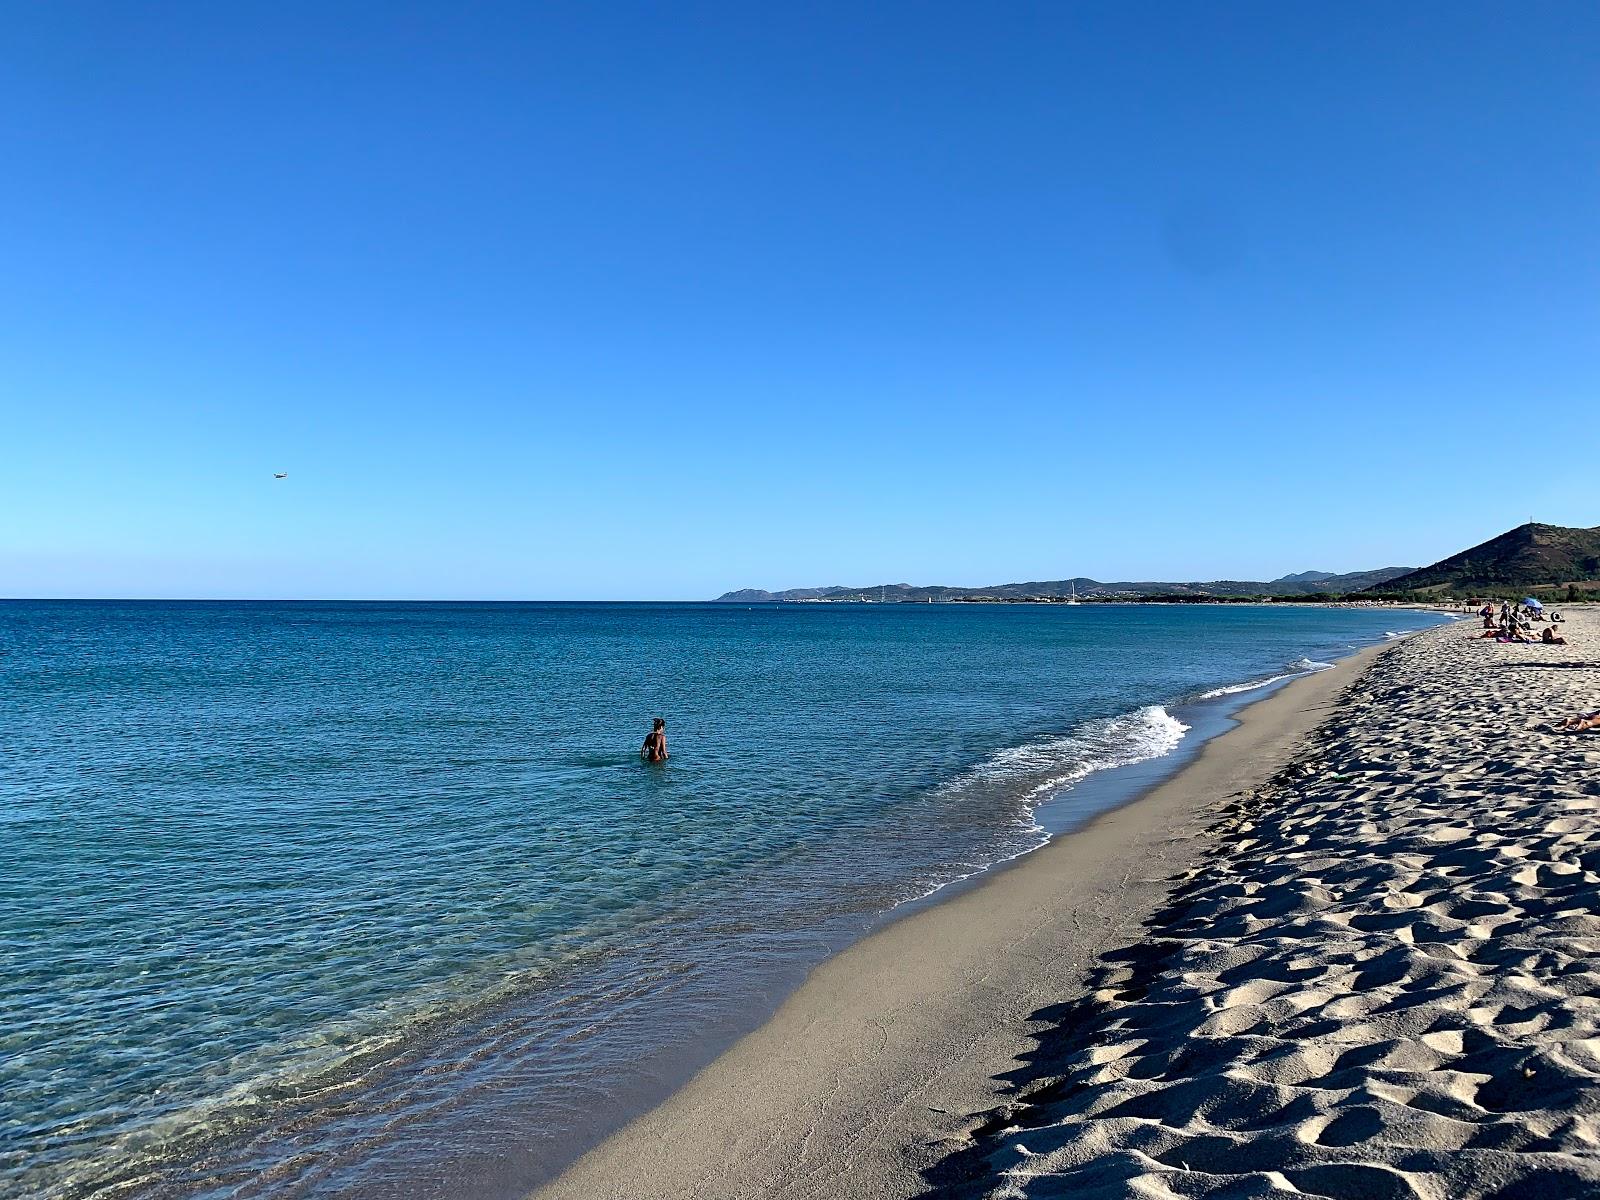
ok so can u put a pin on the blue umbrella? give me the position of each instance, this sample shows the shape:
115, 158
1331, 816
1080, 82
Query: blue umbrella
1530, 602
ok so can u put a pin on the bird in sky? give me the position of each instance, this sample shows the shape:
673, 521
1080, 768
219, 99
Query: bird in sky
280, 474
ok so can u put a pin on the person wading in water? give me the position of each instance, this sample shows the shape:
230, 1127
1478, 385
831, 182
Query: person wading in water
655, 745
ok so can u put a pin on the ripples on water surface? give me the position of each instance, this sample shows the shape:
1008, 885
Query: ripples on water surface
309, 889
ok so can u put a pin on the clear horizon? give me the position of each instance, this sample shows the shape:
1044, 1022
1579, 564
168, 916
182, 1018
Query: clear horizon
622, 302
444, 599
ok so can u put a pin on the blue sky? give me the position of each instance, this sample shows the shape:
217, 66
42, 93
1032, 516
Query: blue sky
657, 300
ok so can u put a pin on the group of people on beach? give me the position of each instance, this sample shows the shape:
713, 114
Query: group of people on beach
1515, 624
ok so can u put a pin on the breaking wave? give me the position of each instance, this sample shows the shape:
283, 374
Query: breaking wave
1024, 777
1300, 666
1049, 764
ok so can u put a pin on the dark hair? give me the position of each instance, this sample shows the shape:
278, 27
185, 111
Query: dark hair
661, 723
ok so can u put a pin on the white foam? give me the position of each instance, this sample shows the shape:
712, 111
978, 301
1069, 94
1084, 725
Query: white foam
1300, 666
1047, 766
1252, 685
1094, 746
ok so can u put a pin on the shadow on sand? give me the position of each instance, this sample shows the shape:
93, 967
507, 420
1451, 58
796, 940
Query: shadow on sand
1527, 666
1040, 1086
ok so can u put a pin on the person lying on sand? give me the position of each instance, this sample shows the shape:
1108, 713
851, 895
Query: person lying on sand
1510, 633
1586, 721
1499, 633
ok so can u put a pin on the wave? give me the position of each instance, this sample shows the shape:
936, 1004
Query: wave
1040, 769
1052, 763
1300, 666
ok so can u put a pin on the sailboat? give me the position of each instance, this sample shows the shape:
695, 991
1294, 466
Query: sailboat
1073, 599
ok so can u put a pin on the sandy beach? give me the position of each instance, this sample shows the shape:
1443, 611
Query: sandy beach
1346, 953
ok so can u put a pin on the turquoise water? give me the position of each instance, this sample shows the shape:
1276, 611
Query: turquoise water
310, 899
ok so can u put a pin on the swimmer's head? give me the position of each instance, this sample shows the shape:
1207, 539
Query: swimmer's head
661, 723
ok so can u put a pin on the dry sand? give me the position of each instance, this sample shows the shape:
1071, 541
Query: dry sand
1354, 960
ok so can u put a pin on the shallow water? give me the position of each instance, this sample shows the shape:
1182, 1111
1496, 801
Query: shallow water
292, 895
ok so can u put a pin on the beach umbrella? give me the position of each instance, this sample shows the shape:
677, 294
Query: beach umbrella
1530, 602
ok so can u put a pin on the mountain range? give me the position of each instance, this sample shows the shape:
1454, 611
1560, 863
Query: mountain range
1303, 584
1529, 557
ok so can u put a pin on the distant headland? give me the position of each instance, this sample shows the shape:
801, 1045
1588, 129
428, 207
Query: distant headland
1306, 583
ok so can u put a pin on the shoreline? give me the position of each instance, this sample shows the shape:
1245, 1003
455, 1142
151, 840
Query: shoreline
511, 1162
1379, 982
875, 1066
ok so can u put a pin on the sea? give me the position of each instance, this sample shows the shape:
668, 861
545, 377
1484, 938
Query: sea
379, 900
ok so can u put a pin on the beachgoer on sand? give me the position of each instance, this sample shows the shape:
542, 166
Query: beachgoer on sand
654, 749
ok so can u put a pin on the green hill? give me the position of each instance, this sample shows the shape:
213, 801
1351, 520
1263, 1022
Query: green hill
1528, 558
